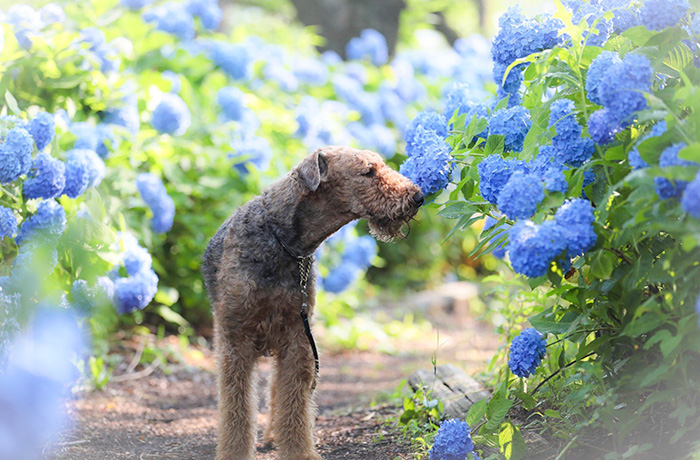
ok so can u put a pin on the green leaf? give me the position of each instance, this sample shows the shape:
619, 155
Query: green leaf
552, 413
455, 210
496, 411
691, 153
547, 322
171, 316
495, 144
602, 265
11, 103
528, 401
476, 412
511, 442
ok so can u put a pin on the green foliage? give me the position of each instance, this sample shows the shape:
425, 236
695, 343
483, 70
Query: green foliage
623, 352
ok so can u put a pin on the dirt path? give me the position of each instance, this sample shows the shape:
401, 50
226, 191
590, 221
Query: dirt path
173, 416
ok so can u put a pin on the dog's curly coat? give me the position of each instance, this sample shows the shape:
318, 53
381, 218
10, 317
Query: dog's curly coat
253, 284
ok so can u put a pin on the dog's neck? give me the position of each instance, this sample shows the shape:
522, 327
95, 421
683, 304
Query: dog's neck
306, 219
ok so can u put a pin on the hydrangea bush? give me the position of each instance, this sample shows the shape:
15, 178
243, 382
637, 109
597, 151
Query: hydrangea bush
585, 165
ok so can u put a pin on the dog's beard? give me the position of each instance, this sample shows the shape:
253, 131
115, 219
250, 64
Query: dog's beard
386, 230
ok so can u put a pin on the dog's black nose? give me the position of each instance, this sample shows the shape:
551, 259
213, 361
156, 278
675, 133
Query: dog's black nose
418, 198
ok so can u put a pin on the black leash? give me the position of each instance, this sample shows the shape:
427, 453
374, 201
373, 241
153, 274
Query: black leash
305, 263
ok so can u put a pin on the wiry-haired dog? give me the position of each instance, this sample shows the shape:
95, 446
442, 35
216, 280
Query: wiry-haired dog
252, 270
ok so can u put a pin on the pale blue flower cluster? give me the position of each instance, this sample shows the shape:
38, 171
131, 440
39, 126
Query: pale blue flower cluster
426, 121
136, 290
349, 256
576, 218
42, 128
8, 222
233, 59
15, 154
99, 138
429, 162
690, 200
173, 18
667, 188
526, 352
452, 442
370, 44
520, 196
208, 11
568, 147
156, 197
532, 248
46, 224
458, 101
251, 151
47, 177
494, 174
512, 123
231, 101
618, 85
662, 14
171, 115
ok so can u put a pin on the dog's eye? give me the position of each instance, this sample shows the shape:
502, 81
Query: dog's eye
369, 173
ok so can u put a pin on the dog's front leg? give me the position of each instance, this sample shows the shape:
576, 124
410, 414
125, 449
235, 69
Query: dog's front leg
295, 410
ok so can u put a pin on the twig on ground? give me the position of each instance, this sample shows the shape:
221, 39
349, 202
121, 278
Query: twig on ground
137, 375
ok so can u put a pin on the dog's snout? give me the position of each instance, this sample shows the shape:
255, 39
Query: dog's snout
418, 198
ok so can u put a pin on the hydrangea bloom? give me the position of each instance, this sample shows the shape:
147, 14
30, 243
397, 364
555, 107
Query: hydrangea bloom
526, 352
42, 128
519, 37
371, 44
661, 14
48, 222
231, 101
135, 292
233, 59
494, 173
8, 222
311, 71
97, 138
254, 151
594, 11
690, 200
86, 297
94, 164
452, 442
172, 18
597, 70
568, 146
171, 116
513, 124
602, 127
135, 5
576, 218
511, 85
156, 197
126, 116
341, 277
77, 177
666, 188
35, 386
424, 121
532, 248
521, 195
361, 251
208, 11
15, 155
621, 88
430, 163
554, 180
458, 100
48, 177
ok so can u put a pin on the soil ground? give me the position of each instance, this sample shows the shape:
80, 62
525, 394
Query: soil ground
172, 415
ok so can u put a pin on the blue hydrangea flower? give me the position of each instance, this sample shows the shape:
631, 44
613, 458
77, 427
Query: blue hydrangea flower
512, 123
661, 14
156, 197
47, 178
285, 78
430, 163
48, 223
21, 15
8, 222
251, 151
234, 60
511, 86
593, 11
494, 173
568, 146
34, 387
360, 252
172, 18
135, 292
341, 277
425, 121
15, 155
452, 442
690, 200
135, 258
621, 89
208, 11
555, 180
98, 138
603, 127
457, 100
135, 5
126, 116
598, 68
666, 188
231, 100
533, 248
42, 128
86, 298
519, 37
171, 115
370, 44
311, 71
77, 177
576, 218
94, 164
521, 195
526, 352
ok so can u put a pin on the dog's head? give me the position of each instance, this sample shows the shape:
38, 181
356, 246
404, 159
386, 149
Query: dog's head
359, 184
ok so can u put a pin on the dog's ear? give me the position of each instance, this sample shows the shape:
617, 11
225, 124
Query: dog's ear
313, 170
